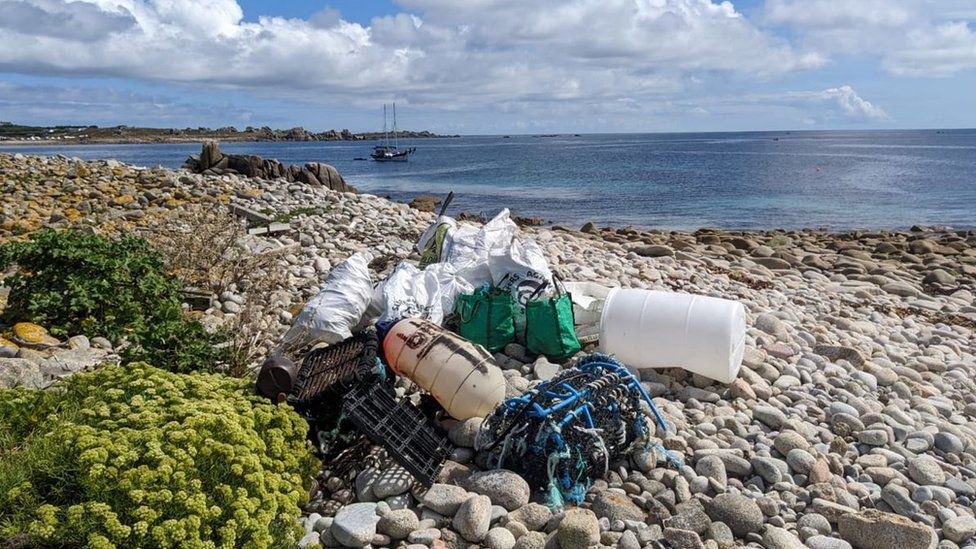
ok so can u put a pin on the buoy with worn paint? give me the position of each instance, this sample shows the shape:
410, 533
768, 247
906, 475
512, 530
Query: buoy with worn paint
461, 375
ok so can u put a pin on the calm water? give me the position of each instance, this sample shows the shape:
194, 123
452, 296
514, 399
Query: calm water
758, 180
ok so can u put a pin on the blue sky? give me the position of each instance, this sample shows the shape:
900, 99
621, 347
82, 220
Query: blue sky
492, 66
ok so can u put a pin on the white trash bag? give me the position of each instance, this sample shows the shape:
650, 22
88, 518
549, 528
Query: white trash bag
413, 293
494, 255
443, 228
520, 270
330, 316
472, 247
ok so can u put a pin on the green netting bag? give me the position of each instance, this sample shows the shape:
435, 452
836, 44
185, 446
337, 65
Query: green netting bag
549, 324
486, 317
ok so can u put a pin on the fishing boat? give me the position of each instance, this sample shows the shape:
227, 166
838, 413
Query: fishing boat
387, 152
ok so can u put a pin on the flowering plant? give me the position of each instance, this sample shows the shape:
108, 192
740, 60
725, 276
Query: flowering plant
136, 456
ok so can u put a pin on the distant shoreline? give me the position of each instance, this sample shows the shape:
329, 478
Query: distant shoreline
17, 135
170, 141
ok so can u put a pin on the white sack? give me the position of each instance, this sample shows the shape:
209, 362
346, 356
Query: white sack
429, 294
330, 316
588, 301
494, 255
431, 231
472, 248
520, 270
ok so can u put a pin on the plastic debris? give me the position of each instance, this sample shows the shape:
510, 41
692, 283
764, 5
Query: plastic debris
408, 435
492, 254
649, 329
328, 373
462, 376
435, 242
330, 316
413, 293
566, 431
344, 390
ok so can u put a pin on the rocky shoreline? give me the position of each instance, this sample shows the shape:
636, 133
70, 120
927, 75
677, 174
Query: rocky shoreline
852, 423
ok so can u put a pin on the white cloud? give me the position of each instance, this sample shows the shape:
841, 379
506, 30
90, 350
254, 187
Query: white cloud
852, 105
75, 21
449, 54
943, 51
807, 107
839, 14
910, 37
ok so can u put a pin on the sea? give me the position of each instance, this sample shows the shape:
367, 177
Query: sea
834, 180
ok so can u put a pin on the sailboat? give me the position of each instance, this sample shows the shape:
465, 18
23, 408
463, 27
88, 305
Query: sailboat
387, 153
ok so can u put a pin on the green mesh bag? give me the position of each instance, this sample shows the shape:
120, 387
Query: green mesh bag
486, 317
549, 324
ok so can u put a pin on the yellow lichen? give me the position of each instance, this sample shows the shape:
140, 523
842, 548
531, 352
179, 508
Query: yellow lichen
31, 333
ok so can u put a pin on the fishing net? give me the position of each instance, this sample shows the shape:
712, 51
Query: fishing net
566, 431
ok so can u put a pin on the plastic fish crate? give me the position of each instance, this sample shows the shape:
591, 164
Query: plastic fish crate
408, 435
330, 372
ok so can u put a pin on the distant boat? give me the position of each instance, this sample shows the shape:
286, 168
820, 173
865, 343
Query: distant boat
386, 152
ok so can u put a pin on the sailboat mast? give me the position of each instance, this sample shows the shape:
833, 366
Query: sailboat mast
396, 142
386, 134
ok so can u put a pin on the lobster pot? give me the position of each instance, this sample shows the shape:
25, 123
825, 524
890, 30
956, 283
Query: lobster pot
567, 431
460, 375
650, 329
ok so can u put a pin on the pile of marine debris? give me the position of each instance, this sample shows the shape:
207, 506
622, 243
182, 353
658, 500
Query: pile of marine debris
560, 434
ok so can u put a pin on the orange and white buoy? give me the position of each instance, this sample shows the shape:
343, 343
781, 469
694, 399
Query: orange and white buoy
461, 375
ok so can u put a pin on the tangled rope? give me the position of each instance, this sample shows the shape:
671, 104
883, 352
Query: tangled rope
566, 431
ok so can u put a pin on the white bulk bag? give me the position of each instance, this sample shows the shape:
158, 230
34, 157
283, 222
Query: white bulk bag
330, 316
413, 293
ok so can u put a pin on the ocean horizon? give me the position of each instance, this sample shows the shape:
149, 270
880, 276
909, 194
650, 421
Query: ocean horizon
835, 180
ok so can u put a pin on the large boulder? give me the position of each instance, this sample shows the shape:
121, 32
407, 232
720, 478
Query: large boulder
20, 372
212, 161
249, 165
209, 156
873, 529
741, 514
328, 176
504, 487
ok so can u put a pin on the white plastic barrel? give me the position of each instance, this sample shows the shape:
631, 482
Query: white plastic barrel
462, 376
650, 329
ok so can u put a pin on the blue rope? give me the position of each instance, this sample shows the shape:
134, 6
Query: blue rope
556, 406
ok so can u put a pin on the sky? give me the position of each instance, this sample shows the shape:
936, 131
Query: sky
491, 66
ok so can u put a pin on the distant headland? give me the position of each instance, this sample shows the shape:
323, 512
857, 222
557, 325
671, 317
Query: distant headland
12, 134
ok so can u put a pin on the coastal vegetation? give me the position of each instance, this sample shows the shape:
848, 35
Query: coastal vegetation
76, 282
135, 456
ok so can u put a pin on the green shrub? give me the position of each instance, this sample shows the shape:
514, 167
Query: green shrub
135, 456
77, 282
74, 282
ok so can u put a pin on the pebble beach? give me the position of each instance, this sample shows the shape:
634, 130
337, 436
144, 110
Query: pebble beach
851, 424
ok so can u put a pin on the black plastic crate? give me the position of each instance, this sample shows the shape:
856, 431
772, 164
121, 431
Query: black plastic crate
410, 437
330, 372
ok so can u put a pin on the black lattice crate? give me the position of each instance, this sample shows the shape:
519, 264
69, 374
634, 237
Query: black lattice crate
327, 373
409, 436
